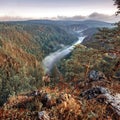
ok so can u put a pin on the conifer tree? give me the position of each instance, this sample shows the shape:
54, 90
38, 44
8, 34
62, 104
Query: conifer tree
117, 3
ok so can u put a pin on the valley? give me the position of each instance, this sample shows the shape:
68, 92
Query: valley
59, 69
52, 59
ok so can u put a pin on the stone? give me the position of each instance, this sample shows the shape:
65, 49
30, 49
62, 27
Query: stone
43, 115
47, 97
94, 92
114, 101
96, 75
46, 100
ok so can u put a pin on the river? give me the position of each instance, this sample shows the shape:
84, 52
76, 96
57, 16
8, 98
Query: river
50, 60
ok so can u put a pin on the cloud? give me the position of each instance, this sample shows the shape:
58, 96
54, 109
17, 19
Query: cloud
103, 17
98, 16
75, 18
10, 18
93, 16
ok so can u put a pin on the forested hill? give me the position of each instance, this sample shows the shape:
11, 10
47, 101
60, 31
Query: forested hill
88, 23
22, 48
68, 25
48, 37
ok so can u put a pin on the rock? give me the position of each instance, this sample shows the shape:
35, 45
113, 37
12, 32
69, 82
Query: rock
94, 92
103, 90
101, 98
48, 97
114, 101
96, 75
46, 100
103, 95
43, 115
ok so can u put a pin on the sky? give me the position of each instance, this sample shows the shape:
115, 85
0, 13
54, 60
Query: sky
37, 9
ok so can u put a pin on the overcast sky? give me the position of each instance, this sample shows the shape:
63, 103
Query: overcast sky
54, 8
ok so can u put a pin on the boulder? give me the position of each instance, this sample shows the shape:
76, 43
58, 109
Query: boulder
96, 75
94, 92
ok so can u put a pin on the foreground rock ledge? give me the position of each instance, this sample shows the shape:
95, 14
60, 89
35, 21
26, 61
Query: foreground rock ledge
104, 95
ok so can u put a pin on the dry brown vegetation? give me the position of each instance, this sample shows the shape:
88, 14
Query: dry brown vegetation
62, 105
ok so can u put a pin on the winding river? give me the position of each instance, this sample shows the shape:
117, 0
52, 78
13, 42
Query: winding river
50, 60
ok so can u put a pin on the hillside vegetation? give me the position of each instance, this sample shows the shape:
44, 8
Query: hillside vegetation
22, 48
85, 85
102, 52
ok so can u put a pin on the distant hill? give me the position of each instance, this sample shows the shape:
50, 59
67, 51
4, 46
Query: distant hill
69, 25
89, 23
94, 23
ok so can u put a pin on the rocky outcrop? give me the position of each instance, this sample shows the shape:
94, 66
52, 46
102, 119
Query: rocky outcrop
114, 101
104, 95
94, 92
